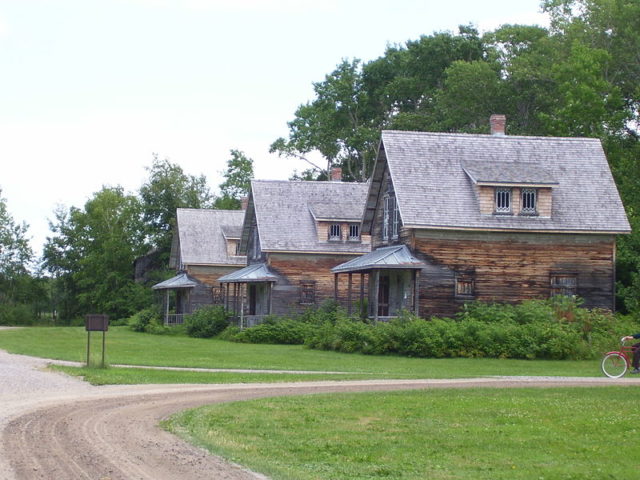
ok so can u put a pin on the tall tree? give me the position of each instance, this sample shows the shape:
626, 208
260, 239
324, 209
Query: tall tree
237, 181
168, 188
15, 254
92, 254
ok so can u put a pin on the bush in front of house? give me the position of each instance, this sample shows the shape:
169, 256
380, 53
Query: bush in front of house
207, 322
275, 330
538, 329
144, 320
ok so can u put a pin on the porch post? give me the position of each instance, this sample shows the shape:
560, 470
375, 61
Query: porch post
416, 292
349, 295
376, 292
166, 307
241, 307
362, 309
270, 300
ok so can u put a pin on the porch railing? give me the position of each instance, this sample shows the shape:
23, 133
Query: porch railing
175, 318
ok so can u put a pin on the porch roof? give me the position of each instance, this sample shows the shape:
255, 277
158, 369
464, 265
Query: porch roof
396, 257
182, 280
258, 272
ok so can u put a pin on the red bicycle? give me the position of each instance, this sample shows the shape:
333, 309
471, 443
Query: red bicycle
616, 363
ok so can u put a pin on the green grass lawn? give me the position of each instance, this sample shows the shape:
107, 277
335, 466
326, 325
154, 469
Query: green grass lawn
541, 434
131, 348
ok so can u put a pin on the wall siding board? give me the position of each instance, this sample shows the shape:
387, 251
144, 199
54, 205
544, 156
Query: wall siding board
513, 267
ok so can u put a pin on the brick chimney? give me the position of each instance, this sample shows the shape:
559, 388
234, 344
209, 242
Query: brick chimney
244, 201
498, 124
336, 174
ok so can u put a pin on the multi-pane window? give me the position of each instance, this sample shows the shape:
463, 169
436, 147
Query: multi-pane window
307, 293
354, 232
395, 220
391, 218
528, 201
503, 200
465, 286
385, 218
564, 284
335, 232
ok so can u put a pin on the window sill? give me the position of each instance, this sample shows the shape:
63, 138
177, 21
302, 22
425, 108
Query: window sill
503, 214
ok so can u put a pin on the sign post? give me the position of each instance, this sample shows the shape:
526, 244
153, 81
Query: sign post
96, 323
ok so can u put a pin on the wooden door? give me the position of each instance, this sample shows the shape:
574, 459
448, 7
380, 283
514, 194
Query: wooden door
383, 296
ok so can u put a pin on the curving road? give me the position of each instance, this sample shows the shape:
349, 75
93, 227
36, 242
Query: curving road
112, 433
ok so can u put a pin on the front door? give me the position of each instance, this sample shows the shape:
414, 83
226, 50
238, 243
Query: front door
383, 296
253, 294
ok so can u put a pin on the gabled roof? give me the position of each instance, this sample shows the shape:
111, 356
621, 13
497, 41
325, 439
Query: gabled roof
282, 211
182, 280
395, 257
434, 191
258, 272
199, 237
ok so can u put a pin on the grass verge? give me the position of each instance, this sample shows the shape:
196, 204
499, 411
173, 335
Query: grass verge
134, 376
131, 348
542, 434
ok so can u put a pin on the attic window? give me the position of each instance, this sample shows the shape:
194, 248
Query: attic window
529, 198
354, 232
503, 200
335, 232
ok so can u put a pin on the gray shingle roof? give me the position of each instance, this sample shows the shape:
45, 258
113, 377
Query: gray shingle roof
258, 272
182, 280
397, 256
283, 213
516, 173
434, 191
200, 236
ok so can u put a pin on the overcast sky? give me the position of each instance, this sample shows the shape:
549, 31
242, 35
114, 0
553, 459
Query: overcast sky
90, 89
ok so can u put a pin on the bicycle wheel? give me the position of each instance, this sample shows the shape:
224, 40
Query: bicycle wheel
614, 365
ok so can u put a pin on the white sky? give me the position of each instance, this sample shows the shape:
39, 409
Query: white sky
89, 89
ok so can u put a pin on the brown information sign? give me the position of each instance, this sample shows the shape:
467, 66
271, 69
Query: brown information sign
96, 323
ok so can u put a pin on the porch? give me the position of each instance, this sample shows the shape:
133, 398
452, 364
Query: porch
392, 275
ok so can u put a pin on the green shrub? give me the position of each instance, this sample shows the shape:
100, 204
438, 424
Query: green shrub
16, 315
207, 322
283, 331
144, 320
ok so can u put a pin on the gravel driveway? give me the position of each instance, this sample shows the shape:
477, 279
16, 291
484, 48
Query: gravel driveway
57, 427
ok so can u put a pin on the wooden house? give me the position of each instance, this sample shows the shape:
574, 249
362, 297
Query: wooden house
294, 233
205, 247
459, 217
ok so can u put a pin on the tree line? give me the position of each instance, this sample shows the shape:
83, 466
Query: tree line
87, 262
578, 78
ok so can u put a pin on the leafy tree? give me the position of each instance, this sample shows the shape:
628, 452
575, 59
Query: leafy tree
237, 183
92, 252
167, 189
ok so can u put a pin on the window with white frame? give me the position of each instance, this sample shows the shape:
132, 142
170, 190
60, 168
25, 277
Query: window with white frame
529, 200
335, 232
354, 232
385, 218
503, 200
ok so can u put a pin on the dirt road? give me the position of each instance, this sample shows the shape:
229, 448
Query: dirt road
70, 430
115, 436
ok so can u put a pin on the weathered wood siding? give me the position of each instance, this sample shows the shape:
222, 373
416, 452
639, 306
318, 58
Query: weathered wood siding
512, 267
208, 275
296, 268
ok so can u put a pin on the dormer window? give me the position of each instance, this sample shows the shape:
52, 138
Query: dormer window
335, 232
529, 201
354, 232
503, 200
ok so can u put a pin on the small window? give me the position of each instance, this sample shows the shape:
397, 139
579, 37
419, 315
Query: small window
528, 201
564, 284
307, 293
465, 287
354, 232
395, 225
385, 218
335, 232
503, 200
